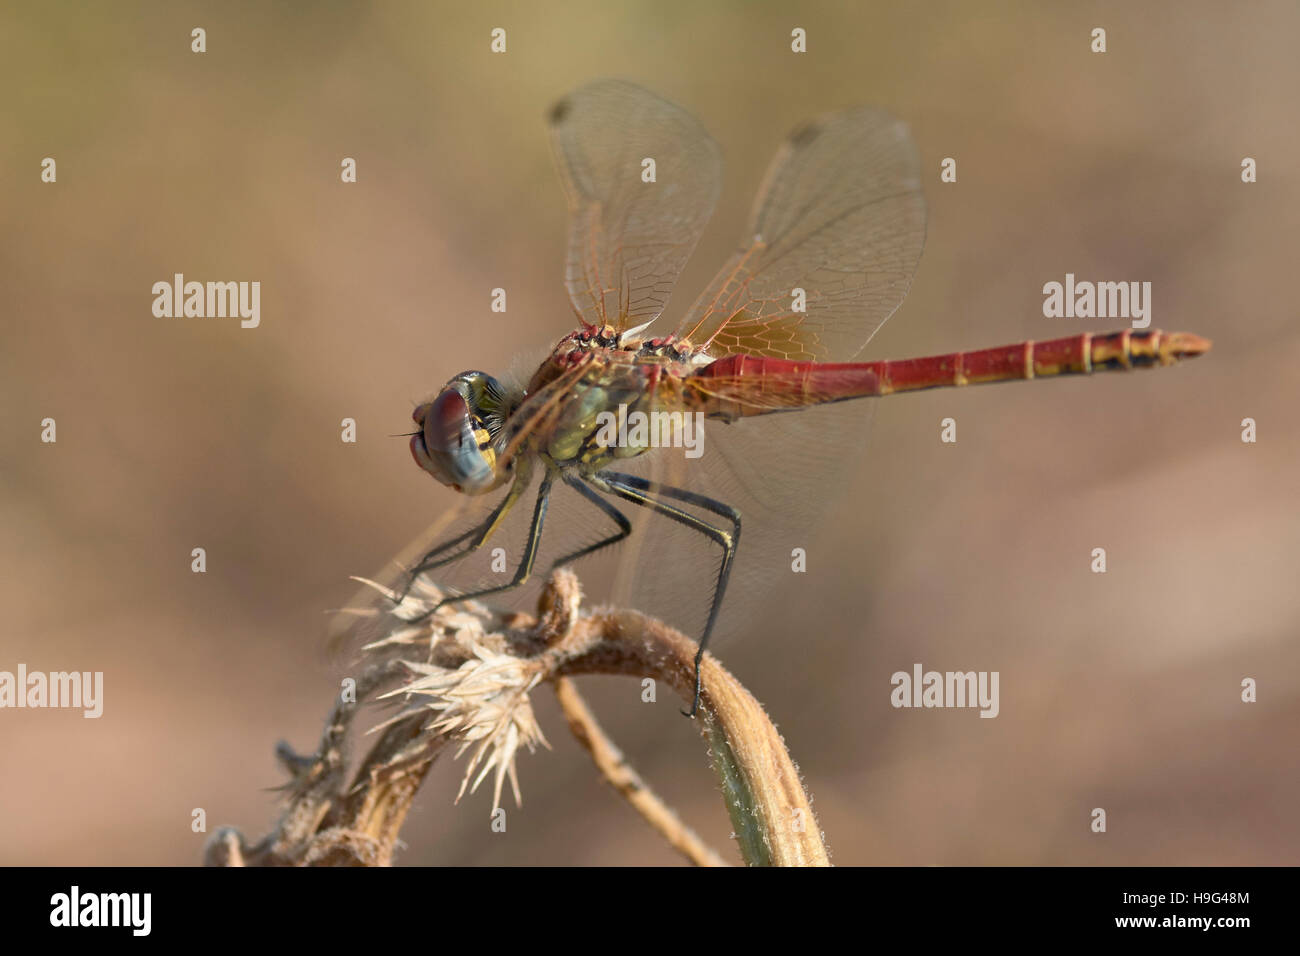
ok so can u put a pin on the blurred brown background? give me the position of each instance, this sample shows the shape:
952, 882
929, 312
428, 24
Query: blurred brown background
1118, 690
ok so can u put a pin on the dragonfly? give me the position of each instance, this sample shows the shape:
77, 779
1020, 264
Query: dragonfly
828, 255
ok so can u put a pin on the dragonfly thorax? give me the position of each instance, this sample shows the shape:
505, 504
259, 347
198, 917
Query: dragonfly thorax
592, 418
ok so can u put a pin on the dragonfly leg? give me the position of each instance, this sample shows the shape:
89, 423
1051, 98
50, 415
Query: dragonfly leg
428, 562
624, 526
480, 534
642, 492
525, 564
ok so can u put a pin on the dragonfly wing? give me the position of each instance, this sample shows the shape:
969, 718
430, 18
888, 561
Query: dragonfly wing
841, 216
366, 617
629, 238
785, 475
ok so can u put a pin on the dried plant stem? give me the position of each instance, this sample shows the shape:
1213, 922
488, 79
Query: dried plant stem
465, 674
609, 760
377, 808
769, 809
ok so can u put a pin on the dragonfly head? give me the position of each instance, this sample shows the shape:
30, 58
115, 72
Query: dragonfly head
457, 431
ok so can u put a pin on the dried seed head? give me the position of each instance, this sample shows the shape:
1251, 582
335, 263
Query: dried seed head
408, 621
484, 703
479, 695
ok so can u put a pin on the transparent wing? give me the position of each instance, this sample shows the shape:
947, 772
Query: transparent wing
629, 239
777, 391
841, 216
786, 475
365, 617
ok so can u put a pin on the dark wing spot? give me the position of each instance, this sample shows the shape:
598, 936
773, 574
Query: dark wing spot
806, 134
560, 111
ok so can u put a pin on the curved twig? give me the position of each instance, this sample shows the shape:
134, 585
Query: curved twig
613, 766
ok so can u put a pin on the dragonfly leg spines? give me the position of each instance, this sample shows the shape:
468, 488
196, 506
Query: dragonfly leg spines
624, 526
525, 569
642, 492
436, 558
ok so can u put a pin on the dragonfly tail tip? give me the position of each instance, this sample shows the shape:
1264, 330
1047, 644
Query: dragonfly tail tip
1184, 345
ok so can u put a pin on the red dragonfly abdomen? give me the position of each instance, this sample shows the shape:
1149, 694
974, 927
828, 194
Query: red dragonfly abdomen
738, 386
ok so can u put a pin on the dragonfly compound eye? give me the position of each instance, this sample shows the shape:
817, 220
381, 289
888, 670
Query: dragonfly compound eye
453, 445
